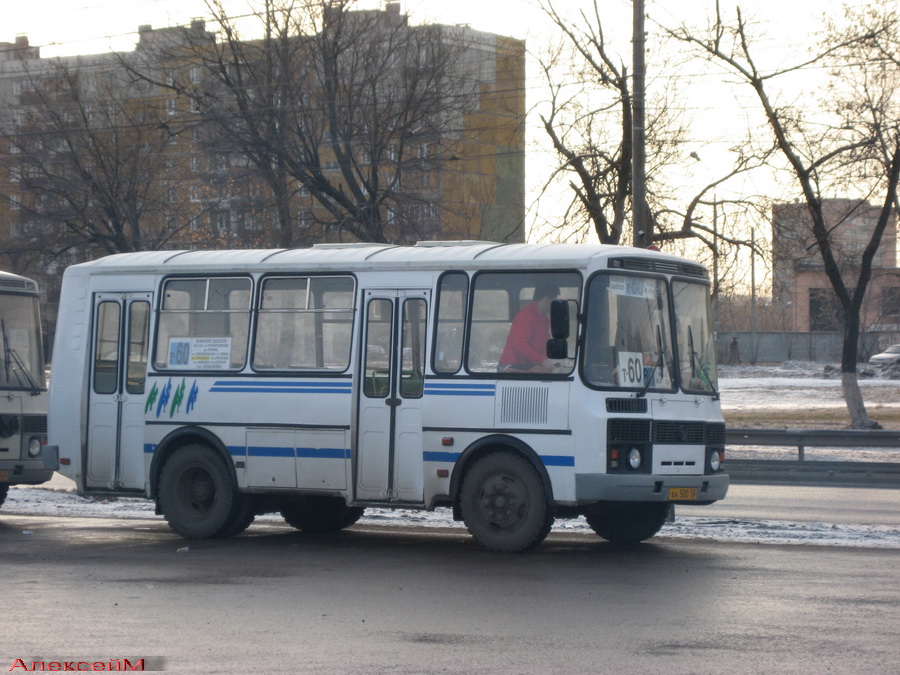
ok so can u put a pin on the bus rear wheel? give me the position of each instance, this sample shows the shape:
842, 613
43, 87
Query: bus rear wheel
198, 497
320, 515
504, 504
627, 522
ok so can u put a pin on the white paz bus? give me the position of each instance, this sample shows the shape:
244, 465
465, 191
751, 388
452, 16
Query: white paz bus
318, 382
24, 456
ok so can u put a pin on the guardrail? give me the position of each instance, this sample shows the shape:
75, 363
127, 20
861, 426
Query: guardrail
803, 471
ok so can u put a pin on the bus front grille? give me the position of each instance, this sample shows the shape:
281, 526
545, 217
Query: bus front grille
34, 424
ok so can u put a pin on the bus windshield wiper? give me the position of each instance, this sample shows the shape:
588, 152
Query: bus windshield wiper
660, 364
23, 375
697, 365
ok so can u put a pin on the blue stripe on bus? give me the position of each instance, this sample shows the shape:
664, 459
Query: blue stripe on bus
343, 453
324, 453
453, 389
558, 460
433, 456
301, 453
264, 451
270, 387
548, 460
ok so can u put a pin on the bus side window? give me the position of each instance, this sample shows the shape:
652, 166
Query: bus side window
106, 349
138, 334
451, 316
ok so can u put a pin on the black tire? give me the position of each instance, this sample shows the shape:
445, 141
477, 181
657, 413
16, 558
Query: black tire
4, 490
504, 504
320, 515
241, 518
197, 495
627, 522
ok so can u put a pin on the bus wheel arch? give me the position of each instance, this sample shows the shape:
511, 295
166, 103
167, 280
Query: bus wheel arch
196, 488
178, 439
502, 492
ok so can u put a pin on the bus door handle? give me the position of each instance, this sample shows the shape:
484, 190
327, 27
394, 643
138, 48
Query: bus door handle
392, 401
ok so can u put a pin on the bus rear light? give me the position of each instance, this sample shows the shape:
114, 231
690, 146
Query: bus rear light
65, 461
447, 441
443, 473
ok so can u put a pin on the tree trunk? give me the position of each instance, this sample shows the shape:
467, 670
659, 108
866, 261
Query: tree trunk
859, 418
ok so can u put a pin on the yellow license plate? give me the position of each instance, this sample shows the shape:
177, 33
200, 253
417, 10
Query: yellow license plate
682, 494
4, 476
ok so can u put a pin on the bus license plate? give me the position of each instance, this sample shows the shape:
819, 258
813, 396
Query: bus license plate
682, 494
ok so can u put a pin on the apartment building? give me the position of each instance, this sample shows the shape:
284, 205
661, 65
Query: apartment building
144, 125
801, 288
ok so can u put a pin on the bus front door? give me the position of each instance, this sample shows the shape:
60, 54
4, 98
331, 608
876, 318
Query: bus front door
388, 449
115, 445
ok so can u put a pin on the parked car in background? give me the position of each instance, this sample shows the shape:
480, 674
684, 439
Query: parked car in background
888, 357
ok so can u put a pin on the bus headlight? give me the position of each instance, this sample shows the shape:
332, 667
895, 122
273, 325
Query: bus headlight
34, 446
634, 458
715, 460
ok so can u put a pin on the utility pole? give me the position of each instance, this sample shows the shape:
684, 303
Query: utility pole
643, 223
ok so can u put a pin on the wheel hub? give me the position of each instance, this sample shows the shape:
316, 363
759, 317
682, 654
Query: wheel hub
502, 502
201, 491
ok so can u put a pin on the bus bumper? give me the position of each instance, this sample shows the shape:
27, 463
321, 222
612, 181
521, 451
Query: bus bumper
594, 487
31, 471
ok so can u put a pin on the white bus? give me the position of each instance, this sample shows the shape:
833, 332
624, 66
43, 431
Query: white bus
318, 382
24, 457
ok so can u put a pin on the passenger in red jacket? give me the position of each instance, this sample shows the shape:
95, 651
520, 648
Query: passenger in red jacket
526, 344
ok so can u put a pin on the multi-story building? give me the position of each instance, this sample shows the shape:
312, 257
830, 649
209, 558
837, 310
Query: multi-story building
801, 288
197, 191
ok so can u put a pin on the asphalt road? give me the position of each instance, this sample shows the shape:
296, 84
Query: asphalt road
378, 599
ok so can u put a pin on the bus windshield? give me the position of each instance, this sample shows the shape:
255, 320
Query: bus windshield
628, 342
696, 342
21, 360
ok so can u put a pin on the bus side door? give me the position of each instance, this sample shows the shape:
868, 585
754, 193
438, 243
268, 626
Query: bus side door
388, 449
115, 444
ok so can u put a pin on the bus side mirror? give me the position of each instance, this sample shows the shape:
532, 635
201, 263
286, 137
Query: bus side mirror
557, 349
559, 320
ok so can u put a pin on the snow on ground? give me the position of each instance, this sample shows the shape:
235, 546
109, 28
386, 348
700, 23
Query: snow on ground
794, 384
59, 500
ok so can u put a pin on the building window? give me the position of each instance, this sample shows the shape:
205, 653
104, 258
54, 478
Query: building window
890, 303
824, 310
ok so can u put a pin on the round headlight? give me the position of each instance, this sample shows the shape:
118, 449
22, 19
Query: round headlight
34, 446
634, 458
715, 460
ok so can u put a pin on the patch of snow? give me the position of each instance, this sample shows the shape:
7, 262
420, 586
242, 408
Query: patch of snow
41, 501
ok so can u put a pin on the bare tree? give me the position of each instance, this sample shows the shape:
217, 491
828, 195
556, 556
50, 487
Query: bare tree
859, 145
344, 114
588, 120
92, 165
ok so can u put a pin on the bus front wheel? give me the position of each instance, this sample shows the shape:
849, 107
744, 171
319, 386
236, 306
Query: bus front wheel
504, 504
198, 497
627, 522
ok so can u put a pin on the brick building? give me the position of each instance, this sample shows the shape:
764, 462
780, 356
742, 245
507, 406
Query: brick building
801, 288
